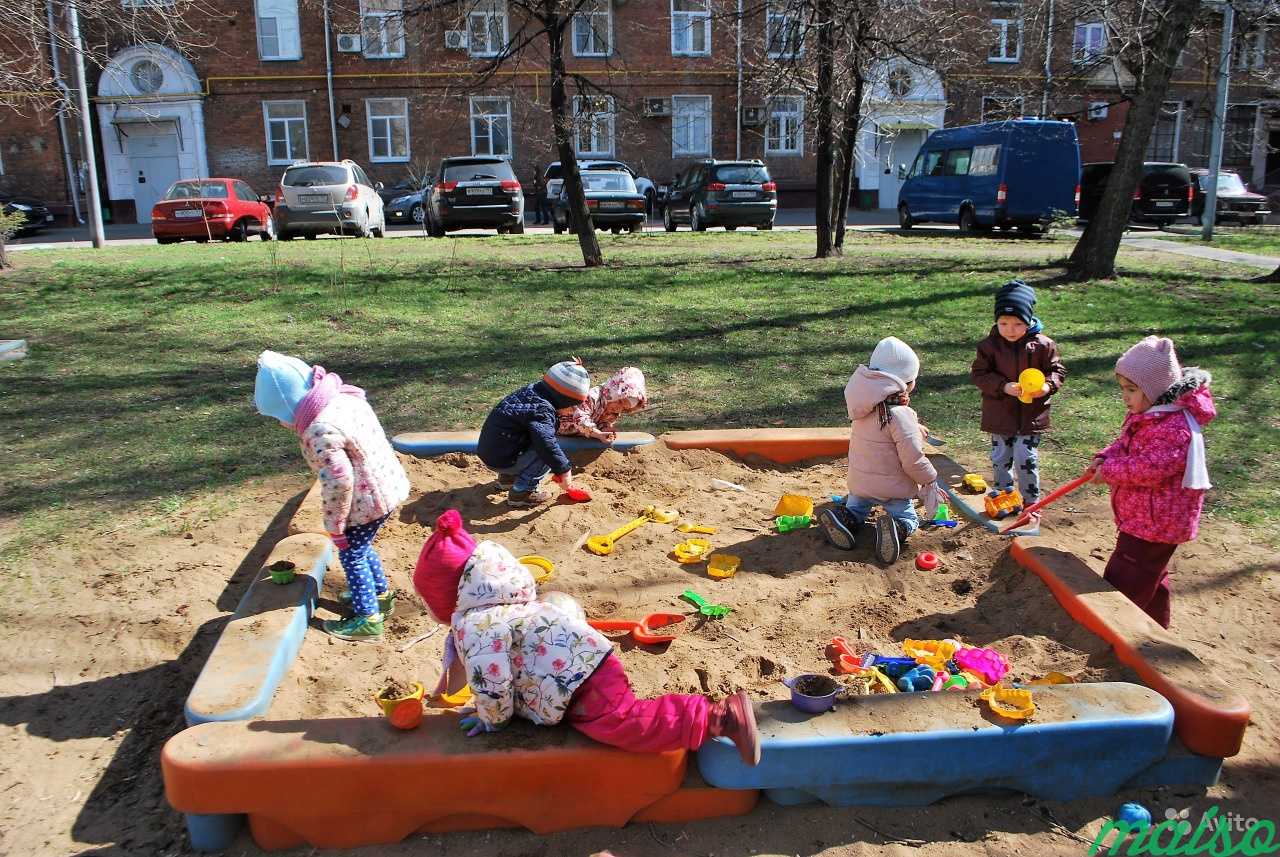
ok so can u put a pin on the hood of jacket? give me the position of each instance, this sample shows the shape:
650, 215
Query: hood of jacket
868, 388
493, 577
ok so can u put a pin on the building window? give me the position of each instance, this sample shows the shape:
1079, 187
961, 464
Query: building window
146, 77
784, 132
690, 27
997, 108
278, 34
286, 131
382, 28
143, 4
1006, 25
1237, 135
1249, 53
388, 128
784, 33
1164, 137
593, 29
491, 126
487, 28
1090, 42
1097, 110
593, 125
690, 126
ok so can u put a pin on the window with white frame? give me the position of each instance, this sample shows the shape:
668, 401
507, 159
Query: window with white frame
487, 28
593, 117
997, 108
388, 129
690, 126
783, 32
593, 29
690, 27
382, 28
1090, 43
278, 34
491, 126
1238, 134
784, 132
1249, 53
286, 131
1163, 145
1006, 27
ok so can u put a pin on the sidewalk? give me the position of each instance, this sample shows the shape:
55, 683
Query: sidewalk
1187, 248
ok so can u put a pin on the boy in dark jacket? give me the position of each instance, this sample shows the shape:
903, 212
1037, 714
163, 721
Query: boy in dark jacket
1014, 344
518, 438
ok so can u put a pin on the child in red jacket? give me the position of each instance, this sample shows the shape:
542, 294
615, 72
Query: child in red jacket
1156, 470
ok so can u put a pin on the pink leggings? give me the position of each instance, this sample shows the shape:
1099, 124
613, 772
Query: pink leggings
604, 708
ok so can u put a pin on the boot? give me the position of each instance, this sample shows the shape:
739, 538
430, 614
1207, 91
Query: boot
734, 718
888, 544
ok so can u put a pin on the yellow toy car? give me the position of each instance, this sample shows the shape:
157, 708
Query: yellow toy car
1001, 504
974, 484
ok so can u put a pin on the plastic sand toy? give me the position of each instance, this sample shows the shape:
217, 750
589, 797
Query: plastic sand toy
1054, 678
1031, 380
713, 611
461, 697
917, 679
603, 545
692, 550
987, 664
1001, 504
927, 561
388, 704
787, 523
652, 630
846, 660
1054, 495
974, 484
282, 571
578, 495
696, 528
812, 694
793, 504
539, 566
722, 566
1009, 702
935, 653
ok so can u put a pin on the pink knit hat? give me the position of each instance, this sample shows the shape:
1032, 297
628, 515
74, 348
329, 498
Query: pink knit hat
440, 565
1152, 365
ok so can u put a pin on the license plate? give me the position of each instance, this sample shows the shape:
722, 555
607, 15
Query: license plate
744, 194
186, 212
479, 191
48, 218
315, 197
1164, 203
611, 205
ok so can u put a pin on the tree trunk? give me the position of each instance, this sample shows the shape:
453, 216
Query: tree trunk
824, 213
579, 216
1094, 255
848, 152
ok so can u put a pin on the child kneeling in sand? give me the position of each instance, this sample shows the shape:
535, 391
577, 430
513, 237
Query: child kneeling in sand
597, 416
540, 660
887, 464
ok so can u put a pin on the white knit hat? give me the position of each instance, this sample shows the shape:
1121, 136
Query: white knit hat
894, 357
569, 378
1152, 364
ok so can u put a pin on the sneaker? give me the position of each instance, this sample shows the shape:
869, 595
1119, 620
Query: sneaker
522, 499
888, 545
386, 601
358, 629
838, 527
735, 719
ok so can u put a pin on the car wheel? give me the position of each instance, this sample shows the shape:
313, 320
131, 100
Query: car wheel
517, 229
1028, 229
556, 228
904, 217
667, 223
730, 228
418, 214
239, 232
637, 228
616, 230
268, 231
285, 236
202, 240
767, 226
166, 240
311, 236
696, 222
968, 223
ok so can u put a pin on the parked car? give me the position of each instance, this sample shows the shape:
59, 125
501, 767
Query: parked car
328, 198
722, 193
1017, 173
218, 209
612, 199
480, 191
35, 212
554, 179
1163, 194
406, 200
1235, 201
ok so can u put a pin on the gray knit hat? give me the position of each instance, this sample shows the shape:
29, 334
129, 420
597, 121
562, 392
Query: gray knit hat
569, 378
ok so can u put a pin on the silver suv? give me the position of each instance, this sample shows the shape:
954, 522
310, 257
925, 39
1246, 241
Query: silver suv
328, 197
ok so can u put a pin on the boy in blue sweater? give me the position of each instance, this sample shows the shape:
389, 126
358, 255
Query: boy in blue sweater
518, 438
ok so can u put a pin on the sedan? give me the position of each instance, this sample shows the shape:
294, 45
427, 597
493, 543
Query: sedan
1235, 201
219, 209
35, 213
409, 207
612, 200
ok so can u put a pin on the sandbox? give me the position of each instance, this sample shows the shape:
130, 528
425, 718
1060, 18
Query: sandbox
792, 593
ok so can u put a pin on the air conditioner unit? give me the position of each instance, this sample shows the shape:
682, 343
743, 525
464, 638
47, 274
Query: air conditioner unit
753, 116
348, 43
657, 107
455, 40
1097, 111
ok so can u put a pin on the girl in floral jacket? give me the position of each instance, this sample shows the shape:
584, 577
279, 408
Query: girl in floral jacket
361, 480
1156, 470
597, 416
540, 660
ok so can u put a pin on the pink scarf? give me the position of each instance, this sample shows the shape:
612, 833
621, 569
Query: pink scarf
324, 387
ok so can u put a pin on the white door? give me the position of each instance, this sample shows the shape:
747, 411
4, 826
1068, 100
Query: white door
153, 165
902, 149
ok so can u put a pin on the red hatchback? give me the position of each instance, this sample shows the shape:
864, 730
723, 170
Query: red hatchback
200, 209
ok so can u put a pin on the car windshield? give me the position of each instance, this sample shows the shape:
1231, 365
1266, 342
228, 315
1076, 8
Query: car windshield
1176, 172
1227, 183
614, 182
468, 171
741, 174
197, 190
554, 172
314, 176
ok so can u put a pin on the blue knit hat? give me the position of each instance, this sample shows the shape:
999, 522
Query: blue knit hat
1017, 299
281, 384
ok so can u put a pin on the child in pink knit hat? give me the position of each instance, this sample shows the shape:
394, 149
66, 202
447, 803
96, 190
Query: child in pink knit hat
1156, 470
539, 659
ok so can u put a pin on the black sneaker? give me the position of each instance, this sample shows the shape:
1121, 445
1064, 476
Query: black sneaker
838, 528
887, 545
522, 499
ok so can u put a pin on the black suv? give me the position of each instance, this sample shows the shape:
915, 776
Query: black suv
1163, 194
722, 193
475, 192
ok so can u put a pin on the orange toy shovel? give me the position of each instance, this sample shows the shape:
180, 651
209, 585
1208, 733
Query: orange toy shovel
1057, 494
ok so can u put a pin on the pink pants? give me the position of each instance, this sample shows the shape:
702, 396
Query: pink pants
1140, 569
604, 708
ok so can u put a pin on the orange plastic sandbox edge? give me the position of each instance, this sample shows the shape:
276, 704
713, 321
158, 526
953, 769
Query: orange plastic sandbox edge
780, 445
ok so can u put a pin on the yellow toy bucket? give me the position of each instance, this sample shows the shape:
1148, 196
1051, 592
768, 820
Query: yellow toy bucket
388, 704
793, 504
722, 566
692, 550
1030, 379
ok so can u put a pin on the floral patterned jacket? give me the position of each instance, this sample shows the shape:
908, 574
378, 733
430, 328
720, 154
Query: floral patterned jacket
524, 657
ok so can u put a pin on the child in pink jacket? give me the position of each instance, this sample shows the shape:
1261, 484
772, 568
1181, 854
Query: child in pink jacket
597, 415
1156, 470
537, 658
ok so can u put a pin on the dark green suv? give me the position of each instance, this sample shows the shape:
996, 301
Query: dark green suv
722, 193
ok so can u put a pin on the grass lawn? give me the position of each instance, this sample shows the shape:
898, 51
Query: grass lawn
1264, 241
139, 386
